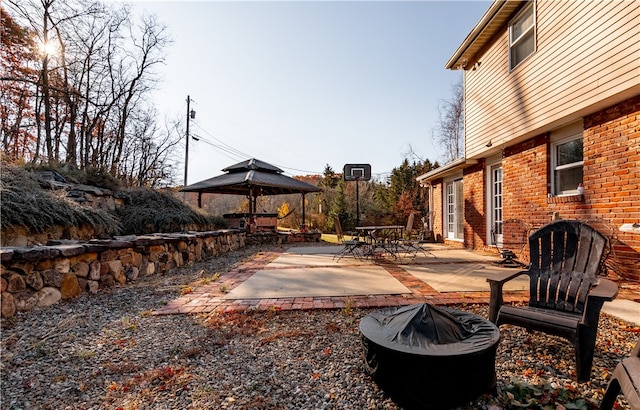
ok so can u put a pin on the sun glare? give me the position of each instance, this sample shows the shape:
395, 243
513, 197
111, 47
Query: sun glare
48, 48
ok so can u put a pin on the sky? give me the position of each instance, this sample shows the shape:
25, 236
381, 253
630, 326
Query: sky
303, 85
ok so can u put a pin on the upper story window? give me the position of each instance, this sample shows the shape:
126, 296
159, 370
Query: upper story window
567, 166
522, 35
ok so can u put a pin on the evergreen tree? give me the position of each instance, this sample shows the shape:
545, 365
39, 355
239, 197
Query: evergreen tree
339, 208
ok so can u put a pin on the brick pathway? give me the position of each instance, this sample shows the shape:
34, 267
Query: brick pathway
210, 297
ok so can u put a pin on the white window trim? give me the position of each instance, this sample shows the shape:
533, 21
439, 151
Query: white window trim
533, 27
555, 167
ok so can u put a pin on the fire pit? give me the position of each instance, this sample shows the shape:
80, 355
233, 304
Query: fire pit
428, 357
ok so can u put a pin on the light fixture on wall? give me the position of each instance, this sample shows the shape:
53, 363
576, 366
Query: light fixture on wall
489, 144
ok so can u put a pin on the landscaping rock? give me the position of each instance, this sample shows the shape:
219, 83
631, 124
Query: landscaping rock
15, 282
81, 269
8, 305
62, 265
115, 269
34, 280
52, 278
69, 288
48, 296
94, 270
132, 274
25, 301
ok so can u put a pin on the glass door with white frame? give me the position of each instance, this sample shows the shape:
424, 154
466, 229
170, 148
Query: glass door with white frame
454, 206
496, 205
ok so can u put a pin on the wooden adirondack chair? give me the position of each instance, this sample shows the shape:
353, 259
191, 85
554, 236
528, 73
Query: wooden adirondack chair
625, 380
566, 293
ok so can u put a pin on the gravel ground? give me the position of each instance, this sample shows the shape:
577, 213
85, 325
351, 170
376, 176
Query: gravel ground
108, 352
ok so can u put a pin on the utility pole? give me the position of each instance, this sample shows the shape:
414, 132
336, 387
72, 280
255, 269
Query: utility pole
190, 115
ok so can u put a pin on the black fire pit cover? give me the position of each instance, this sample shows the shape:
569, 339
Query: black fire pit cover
430, 330
429, 357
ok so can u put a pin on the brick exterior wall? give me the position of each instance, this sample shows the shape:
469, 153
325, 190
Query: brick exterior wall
611, 182
611, 140
475, 193
612, 179
438, 229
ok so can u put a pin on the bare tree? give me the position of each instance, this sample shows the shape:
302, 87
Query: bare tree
91, 101
449, 130
148, 154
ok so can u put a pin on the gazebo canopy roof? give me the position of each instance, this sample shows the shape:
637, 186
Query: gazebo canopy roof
252, 178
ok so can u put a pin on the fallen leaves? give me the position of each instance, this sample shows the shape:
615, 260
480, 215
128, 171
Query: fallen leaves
545, 396
151, 383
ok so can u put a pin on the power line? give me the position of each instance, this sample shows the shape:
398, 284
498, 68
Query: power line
240, 125
224, 150
227, 147
237, 155
233, 151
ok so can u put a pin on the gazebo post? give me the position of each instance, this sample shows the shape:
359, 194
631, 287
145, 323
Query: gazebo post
303, 228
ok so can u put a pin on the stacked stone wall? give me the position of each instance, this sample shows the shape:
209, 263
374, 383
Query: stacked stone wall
40, 276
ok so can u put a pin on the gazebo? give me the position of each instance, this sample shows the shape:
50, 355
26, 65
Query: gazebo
252, 178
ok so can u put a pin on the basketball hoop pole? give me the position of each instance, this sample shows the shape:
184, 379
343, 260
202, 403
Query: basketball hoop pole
357, 203
357, 172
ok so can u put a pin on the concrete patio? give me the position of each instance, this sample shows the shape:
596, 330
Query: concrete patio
309, 277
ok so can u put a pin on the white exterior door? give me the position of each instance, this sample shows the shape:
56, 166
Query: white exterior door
496, 205
454, 205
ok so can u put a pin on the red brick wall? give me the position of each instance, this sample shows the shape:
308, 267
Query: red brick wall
611, 183
525, 181
611, 188
475, 230
612, 178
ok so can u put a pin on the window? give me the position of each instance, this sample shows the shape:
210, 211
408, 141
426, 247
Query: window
522, 35
567, 166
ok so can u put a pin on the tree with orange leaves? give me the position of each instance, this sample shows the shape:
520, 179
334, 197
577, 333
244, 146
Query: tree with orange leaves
17, 89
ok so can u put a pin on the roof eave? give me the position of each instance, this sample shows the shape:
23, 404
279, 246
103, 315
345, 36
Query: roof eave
491, 21
446, 170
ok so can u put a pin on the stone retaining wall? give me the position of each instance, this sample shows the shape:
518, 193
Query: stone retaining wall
40, 276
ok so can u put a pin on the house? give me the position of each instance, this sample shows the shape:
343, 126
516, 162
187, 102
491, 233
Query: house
552, 128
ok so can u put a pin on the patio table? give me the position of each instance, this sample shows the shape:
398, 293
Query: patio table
381, 237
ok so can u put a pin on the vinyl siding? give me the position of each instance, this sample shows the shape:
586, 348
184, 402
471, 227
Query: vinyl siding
587, 53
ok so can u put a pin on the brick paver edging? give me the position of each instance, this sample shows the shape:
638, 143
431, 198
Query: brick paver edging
209, 298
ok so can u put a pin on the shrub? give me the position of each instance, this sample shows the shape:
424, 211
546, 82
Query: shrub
149, 211
24, 203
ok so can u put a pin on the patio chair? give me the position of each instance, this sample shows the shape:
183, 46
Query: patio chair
509, 257
408, 243
566, 291
625, 380
350, 246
